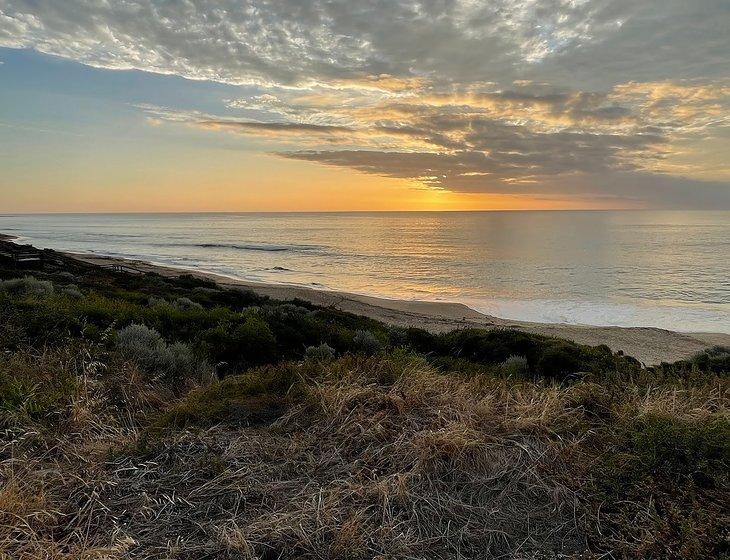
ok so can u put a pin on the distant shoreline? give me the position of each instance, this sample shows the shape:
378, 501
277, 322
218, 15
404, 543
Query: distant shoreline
559, 267
650, 345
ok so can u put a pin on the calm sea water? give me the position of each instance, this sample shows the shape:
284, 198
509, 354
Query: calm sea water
635, 268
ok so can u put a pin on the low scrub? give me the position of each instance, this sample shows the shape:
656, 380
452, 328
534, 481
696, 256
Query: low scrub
174, 362
322, 352
661, 486
28, 285
366, 342
715, 359
334, 436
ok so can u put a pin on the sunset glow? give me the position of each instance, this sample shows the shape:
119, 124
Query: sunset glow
450, 107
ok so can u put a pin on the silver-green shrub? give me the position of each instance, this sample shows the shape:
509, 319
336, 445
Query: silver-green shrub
27, 286
72, 290
148, 349
514, 366
322, 353
186, 304
366, 342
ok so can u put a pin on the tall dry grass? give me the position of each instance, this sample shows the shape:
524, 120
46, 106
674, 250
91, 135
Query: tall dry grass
376, 458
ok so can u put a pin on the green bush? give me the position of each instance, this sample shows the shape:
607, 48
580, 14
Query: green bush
27, 286
72, 291
547, 357
247, 344
560, 360
186, 304
36, 386
321, 353
366, 343
715, 359
662, 485
514, 366
148, 349
668, 447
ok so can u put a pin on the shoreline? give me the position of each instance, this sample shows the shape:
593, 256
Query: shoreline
650, 345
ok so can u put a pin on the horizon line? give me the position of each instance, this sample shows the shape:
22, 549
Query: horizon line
444, 211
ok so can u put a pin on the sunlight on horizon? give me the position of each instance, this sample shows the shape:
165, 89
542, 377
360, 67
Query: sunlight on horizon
433, 106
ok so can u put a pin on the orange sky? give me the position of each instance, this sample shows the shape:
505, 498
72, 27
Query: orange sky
248, 182
378, 107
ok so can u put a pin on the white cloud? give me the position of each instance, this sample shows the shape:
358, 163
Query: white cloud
464, 41
460, 94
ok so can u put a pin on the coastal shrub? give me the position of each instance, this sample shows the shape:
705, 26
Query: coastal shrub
423, 341
28, 285
47, 320
66, 276
206, 290
561, 360
255, 341
72, 291
285, 311
366, 343
180, 361
678, 448
715, 359
186, 304
247, 344
294, 331
547, 357
514, 366
104, 311
149, 350
140, 342
493, 346
186, 325
321, 353
337, 336
153, 301
189, 281
398, 336
253, 311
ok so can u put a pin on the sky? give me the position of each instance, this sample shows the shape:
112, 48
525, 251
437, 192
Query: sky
294, 105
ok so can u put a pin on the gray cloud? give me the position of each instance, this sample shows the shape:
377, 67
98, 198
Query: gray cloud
503, 153
657, 40
596, 42
537, 96
473, 172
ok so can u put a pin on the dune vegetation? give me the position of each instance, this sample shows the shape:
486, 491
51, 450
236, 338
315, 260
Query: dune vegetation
152, 417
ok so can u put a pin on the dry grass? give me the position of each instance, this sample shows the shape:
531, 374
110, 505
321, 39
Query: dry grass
377, 460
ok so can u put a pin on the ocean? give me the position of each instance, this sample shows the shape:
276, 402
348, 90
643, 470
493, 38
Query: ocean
668, 269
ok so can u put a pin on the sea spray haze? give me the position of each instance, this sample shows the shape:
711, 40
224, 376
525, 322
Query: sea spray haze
634, 268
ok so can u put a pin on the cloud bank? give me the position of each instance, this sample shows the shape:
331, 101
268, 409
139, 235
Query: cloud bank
516, 96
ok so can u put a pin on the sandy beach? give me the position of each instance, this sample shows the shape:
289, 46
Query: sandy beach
649, 345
